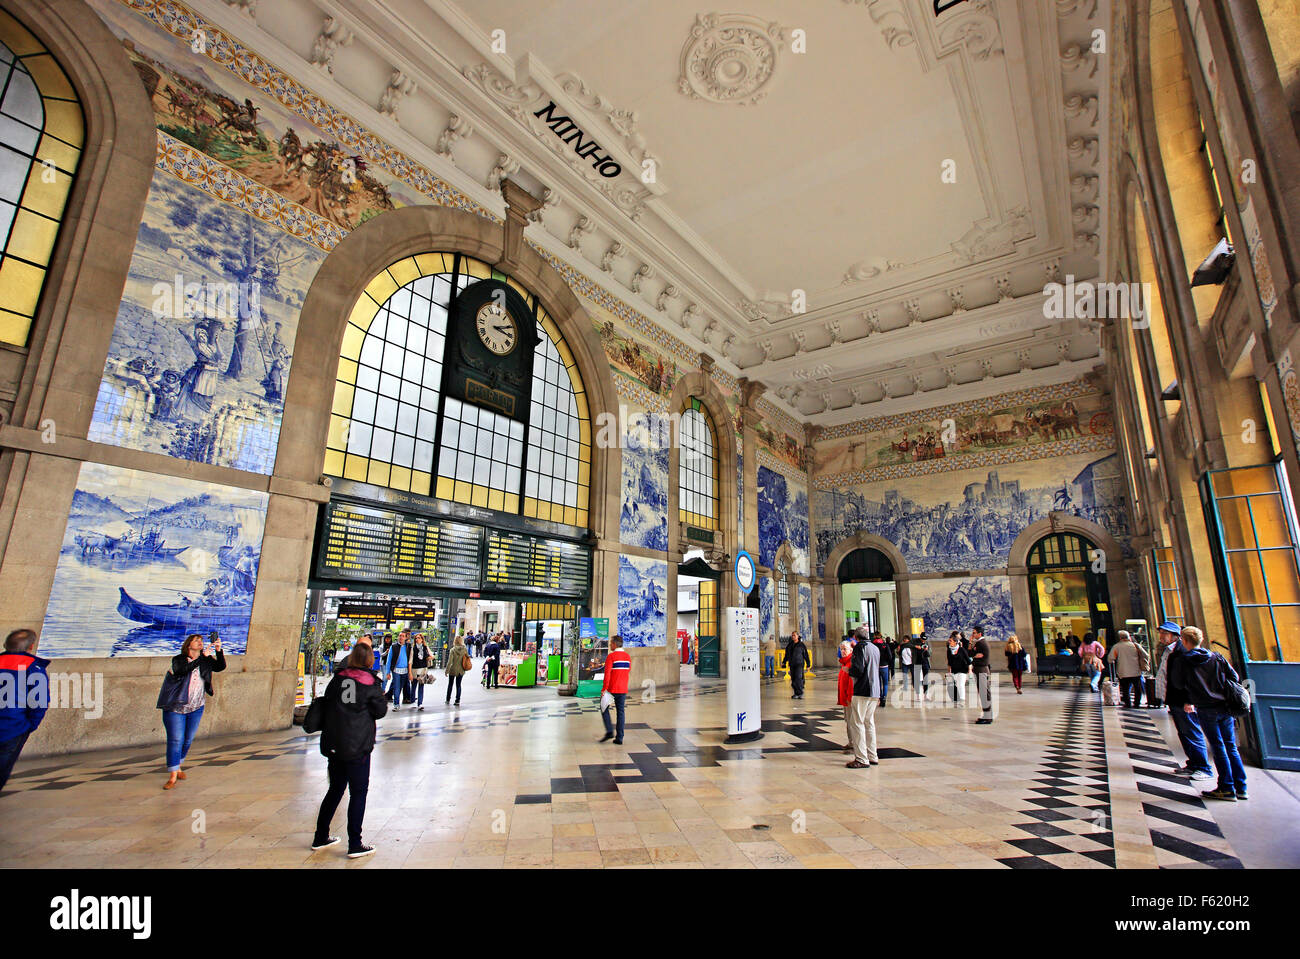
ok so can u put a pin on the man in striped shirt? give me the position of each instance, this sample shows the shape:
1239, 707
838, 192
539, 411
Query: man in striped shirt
618, 669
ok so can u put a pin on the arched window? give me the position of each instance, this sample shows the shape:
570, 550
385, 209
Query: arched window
1060, 549
41, 134
388, 404
698, 470
782, 588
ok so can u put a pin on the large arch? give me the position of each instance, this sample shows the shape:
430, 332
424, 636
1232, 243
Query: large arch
698, 384
1018, 566
831, 581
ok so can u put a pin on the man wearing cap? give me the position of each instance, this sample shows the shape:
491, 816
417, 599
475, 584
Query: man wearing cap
1187, 724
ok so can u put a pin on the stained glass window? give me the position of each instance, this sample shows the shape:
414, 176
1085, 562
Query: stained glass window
41, 136
698, 469
388, 404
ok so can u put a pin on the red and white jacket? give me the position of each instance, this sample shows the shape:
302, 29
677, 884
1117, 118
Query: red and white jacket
618, 670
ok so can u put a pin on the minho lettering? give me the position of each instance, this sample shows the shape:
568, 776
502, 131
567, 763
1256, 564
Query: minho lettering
103, 913
569, 132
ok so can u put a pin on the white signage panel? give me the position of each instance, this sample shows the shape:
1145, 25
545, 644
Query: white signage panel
740, 633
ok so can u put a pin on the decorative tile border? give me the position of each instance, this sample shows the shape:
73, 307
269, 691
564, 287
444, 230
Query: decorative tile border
221, 182
1036, 394
1017, 454
778, 465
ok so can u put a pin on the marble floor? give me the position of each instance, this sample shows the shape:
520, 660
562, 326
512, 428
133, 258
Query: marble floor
517, 778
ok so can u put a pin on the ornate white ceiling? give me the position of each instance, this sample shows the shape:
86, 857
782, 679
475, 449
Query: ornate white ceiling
769, 183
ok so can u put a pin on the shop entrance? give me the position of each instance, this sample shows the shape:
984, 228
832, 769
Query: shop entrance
698, 635
1068, 597
866, 579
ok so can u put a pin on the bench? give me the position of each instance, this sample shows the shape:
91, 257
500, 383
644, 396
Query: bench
1050, 667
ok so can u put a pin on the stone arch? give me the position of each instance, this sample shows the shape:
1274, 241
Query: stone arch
831, 581
1018, 565
699, 385
56, 376
366, 251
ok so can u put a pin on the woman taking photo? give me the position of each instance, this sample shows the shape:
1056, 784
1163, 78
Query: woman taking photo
455, 670
346, 718
183, 696
959, 661
421, 660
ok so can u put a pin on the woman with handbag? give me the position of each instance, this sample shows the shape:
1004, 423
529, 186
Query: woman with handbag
1017, 661
458, 664
345, 717
1092, 654
421, 660
183, 696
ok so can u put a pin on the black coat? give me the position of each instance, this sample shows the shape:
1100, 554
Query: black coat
354, 699
182, 666
959, 661
801, 657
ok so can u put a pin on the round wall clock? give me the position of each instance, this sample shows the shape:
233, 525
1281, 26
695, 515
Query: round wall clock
496, 328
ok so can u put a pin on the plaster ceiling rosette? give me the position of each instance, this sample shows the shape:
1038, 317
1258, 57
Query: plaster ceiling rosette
730, 58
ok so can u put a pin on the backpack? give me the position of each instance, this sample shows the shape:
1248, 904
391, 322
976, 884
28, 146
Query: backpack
1236, 697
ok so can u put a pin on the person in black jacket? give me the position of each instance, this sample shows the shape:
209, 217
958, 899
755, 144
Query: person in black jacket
864, 670
1202, 677
191, 671
796, 658
959, 660
353, 701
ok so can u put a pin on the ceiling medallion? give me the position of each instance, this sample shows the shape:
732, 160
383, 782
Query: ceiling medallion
729, 58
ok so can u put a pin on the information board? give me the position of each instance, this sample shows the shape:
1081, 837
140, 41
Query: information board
380, 545
740, 634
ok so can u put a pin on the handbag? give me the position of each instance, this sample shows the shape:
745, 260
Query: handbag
466, 663
1236, 697
174, 692
314, 721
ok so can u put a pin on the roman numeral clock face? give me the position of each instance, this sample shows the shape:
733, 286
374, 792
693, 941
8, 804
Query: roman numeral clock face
496, 328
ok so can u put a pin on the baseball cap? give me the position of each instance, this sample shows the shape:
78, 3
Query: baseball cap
1169, 626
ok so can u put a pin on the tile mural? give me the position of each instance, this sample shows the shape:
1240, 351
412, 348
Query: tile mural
642, 596
203, 341
782, 516
970, 518
766, 605
805, 611
643, 519
147, 559
948, 604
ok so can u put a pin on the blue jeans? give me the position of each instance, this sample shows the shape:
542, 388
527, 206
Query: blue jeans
1094, 677
1221, 733
884, 683
9, 750
398, 688
181, 728
769, 665
1189, 734
352, 775
620, 703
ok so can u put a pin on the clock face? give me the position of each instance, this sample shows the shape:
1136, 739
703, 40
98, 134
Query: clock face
496, 328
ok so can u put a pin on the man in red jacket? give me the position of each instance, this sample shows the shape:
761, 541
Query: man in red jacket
618, 669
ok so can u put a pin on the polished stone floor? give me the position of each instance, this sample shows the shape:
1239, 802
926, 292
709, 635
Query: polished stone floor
517, 778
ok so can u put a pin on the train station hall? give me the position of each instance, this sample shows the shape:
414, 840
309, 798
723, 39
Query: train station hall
593, 434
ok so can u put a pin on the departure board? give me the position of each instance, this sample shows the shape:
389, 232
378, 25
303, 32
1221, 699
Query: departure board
380, 545
519, 562
360, 542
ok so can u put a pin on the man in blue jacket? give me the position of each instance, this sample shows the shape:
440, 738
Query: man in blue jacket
1202, 677
24, 697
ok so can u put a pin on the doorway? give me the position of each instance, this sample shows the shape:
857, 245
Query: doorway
1068, 597
697, 588
867, 591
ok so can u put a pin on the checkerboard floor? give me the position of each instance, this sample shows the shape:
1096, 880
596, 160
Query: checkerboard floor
528, 784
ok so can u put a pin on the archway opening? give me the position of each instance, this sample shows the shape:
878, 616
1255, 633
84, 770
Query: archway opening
866, 578
1068, 593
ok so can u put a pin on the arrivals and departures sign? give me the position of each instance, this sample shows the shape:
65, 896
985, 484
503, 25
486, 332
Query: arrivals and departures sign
365, 543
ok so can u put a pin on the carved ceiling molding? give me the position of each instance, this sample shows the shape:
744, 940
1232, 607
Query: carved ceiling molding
522, 100
730, 58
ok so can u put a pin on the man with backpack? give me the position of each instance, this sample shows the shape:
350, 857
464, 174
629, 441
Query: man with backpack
1131, 661
1212, 691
